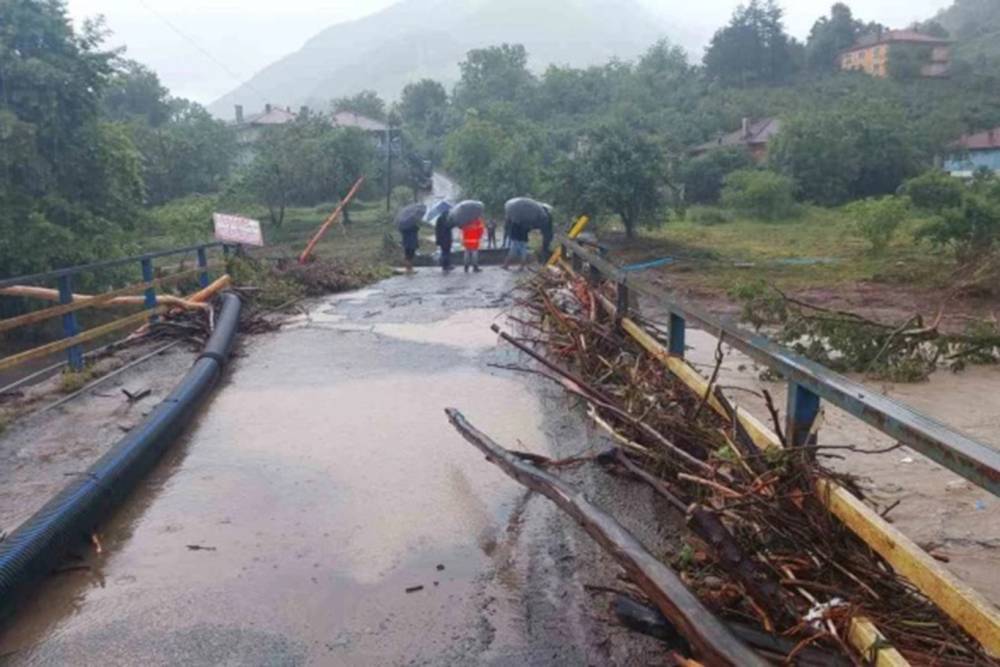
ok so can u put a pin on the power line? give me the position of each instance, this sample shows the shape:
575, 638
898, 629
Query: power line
193, 42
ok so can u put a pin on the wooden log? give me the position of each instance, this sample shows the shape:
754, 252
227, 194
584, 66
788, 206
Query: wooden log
208, 293
709, 637
307, 253
92, 301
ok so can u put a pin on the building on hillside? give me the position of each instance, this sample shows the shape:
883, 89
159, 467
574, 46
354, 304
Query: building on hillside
974, 152
249, 128
754, 136
376, 129
871, 53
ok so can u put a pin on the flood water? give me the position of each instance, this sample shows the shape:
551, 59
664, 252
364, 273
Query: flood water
322, 483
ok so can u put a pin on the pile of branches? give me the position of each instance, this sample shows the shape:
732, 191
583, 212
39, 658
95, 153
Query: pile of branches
764, 549
907, 351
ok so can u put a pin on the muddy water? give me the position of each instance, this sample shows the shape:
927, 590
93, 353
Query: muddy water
939, 510
322, 483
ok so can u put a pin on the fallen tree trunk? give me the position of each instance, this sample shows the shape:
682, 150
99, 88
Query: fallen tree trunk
46, 294
710, 639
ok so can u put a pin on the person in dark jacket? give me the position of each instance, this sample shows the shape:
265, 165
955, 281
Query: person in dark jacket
518, 245
443, 238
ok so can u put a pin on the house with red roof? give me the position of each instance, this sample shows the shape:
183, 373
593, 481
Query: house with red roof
973, 152
871, 54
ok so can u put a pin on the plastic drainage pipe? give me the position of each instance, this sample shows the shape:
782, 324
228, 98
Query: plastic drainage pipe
36, 546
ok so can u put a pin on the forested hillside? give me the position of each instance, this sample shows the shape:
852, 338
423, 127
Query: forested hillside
417, 39
975, 26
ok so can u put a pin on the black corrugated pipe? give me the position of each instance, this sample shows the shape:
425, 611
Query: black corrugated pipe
30, 552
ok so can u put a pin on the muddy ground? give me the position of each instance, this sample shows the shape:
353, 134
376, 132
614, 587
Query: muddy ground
323, 481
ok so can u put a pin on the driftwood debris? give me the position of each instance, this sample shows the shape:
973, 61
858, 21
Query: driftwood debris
46, 294
710, 639
766, 547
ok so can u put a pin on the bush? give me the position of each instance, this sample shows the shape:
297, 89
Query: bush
972, 230
934, 191
704, 176
708, 215
878, 219
760, 194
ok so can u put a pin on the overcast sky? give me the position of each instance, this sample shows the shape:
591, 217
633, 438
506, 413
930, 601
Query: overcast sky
204, 48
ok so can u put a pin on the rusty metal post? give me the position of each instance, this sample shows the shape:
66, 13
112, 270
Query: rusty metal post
803, 409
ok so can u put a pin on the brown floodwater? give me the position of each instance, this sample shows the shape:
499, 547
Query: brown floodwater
322, 483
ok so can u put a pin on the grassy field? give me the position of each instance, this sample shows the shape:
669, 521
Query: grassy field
819, 248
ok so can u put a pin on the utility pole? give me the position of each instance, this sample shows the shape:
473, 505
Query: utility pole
388, 168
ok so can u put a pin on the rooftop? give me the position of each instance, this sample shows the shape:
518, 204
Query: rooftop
274, 116
897, 37
980, 141
351, 119
754, 132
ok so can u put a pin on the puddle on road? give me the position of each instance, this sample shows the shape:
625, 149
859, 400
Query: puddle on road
319, 499
465, 329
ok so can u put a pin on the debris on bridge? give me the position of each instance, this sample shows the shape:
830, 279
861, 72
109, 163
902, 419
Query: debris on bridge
764, 550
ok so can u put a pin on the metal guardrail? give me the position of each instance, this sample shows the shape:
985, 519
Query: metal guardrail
73, 335
809, 383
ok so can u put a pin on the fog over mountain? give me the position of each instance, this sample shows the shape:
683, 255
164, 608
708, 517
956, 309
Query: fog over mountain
390, 48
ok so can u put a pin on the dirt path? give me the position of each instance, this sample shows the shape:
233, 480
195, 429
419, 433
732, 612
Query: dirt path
323, 482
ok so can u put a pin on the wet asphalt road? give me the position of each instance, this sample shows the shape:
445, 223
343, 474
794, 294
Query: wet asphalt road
320, 484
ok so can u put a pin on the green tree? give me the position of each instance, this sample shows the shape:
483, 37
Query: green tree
366, 103
620, 171
831, 35
134, 92
424, 105
759, 193
934, 191
70, 187
971, 230
704, 176
494, 74
864, 148
191, 152
494, 162
753, 48
877, 219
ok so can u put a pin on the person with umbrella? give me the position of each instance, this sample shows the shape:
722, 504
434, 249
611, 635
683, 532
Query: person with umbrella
468, 216
522, 215
408, 223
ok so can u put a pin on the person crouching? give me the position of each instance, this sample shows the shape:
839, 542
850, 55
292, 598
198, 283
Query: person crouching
472, 236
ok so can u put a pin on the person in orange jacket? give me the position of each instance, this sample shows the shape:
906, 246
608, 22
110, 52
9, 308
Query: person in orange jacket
472, 236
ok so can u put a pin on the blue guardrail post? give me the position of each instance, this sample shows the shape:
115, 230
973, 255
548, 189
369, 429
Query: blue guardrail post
677, 328
803, 408
71, 327
147, 276
203, 264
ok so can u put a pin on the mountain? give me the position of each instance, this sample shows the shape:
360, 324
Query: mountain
975, 27
414, 39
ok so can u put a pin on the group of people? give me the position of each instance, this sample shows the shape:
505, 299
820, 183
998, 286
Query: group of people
473, 228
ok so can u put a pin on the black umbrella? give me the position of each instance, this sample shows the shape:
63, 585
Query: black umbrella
466, 212
410, 217
525, 212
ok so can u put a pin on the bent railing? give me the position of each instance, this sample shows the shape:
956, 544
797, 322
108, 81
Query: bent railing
809, 383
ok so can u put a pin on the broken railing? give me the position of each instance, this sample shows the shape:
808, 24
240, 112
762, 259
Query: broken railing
58, 286
809, 384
